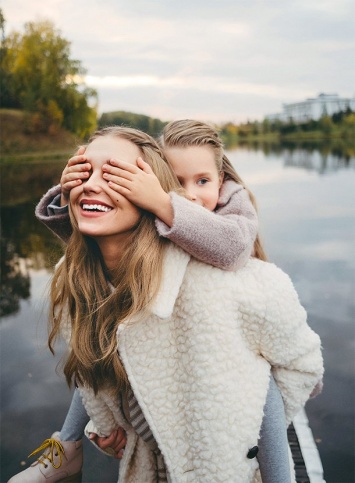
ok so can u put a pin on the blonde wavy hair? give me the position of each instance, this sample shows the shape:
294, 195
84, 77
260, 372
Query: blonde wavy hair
80, 287
187, 132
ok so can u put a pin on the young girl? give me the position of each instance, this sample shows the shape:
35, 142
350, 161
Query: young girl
195, 153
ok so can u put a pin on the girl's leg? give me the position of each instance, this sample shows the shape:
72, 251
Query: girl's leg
75, 421
273, 455
49, 468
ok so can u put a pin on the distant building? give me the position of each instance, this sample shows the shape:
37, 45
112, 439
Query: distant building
313, 108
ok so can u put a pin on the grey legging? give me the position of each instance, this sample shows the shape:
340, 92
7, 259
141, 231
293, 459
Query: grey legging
273, 445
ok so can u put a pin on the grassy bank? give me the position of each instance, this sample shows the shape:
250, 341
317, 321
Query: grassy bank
17, 142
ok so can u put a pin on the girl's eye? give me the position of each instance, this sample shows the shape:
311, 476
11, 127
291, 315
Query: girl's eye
202, 181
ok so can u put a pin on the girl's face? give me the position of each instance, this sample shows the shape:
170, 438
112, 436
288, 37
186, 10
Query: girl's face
196, 170
99, 211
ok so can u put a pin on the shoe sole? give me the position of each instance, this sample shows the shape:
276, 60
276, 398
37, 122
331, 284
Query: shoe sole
72, 479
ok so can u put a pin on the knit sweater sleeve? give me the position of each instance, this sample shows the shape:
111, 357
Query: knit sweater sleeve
59, 224
223, 238
286, 340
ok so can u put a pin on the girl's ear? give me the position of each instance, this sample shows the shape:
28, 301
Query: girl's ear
221, 178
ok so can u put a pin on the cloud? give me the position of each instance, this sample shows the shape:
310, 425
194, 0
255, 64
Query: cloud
257, 54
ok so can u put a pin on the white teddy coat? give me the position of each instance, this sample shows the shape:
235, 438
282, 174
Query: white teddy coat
199, 367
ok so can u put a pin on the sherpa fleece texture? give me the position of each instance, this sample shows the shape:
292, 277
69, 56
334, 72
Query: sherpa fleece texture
223, 238
199, 366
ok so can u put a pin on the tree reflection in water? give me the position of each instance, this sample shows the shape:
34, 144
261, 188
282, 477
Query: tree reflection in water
25, 245
15, 279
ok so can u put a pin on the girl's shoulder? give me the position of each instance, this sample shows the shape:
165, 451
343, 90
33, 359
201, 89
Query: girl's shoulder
228, 189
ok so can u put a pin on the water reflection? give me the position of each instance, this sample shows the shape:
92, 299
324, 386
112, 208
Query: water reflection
320, 157
307, 222
15, 279
25, 245
317, 161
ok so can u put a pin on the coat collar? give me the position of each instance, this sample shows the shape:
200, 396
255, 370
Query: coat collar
174, 268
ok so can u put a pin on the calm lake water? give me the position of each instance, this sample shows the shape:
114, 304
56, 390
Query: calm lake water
307, 221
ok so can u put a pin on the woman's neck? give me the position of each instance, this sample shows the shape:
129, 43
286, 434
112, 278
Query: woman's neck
111, 251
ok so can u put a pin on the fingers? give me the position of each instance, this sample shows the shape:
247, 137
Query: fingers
93, 437
129, 167
111, 173
75, 172
144, 166
120, 454
122, 165
118, 188
81, 150
77, 159
121, 175
107, 442
117, 440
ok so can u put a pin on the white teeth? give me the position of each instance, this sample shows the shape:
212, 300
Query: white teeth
96, 207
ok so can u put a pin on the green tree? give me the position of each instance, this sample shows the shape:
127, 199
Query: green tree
7, 91
147, 124
46, 81
348, 127
326, 125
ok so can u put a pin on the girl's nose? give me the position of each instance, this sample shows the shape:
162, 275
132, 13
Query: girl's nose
191, 194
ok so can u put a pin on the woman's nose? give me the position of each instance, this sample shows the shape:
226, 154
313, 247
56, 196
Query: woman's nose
92, 185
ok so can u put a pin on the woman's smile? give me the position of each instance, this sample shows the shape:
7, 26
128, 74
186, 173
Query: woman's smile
94, 207
100, 212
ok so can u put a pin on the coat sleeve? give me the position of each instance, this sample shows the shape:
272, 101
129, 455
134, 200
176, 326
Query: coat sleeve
223, 238
59, 224
287, 342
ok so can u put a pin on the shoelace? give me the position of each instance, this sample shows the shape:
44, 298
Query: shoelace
55, 449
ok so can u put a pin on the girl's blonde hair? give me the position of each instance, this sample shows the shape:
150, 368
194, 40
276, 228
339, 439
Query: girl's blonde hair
187, 132
80, 284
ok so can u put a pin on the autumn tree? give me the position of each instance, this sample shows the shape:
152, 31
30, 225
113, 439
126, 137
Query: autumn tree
42, 79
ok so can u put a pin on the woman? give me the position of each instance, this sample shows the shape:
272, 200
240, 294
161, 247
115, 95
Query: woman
195, 343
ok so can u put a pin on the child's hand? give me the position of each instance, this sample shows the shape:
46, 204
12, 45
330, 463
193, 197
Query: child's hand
116, 441
140, 186
73, 174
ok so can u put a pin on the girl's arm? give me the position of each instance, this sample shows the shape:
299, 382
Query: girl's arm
59, 222
223, 238
52, 209
278, 323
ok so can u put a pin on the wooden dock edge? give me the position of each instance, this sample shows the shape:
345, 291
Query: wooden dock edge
308, 448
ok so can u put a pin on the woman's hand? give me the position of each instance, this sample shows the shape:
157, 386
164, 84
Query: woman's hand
116, 442
140, 186
75, 172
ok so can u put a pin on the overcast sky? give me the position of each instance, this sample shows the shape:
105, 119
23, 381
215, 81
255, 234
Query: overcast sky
221, 60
